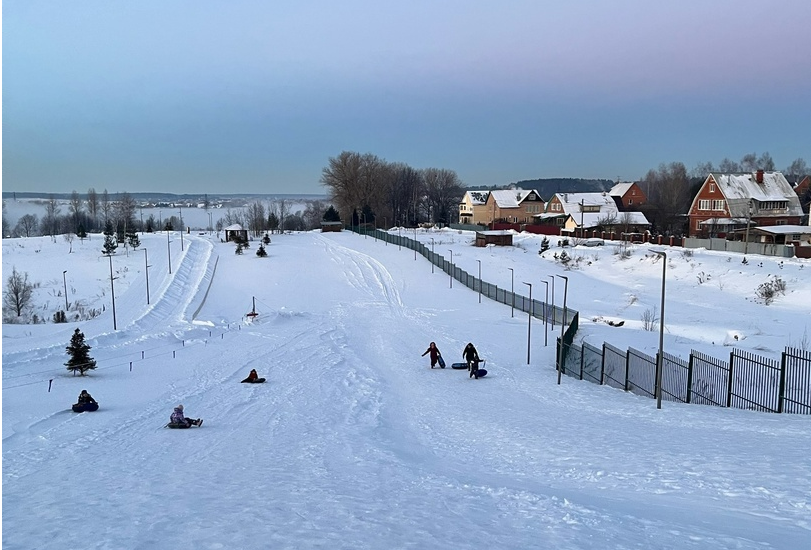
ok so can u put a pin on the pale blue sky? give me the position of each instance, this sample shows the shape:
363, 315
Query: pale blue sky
255, 96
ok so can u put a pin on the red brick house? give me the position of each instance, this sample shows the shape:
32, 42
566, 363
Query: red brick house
803, 190
726, 202
628, 196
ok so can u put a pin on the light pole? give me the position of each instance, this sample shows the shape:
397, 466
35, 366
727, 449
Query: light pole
415, 242
169, 251
562, 326
65, 282
553, 300
529, 321
432, 255
142, 220
512, 291
451, 270
210, 228
146, 270
480, 280
112, 289
545, 316
661, 333
180, 209
748, 222
400, 237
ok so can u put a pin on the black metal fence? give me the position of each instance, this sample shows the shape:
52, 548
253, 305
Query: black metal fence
746, 381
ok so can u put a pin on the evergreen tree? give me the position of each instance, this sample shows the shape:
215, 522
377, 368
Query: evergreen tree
331, 215
81, 232
266, 239
239, 248
261, 251
78, 351
109, 245
133, 240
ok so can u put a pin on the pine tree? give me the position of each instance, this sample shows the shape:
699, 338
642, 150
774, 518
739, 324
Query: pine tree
261, 252
266, 239
78, 351
133, 240
331, 215
109, 245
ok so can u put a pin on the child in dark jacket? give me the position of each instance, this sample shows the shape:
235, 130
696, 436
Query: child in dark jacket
435, 354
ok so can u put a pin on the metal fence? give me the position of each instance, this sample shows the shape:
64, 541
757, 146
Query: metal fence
746, 381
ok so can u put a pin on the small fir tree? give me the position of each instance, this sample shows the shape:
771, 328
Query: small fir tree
133, 240
239, 248
261, 251
79, 353
266, 239
81, 232
110, 245
331, 215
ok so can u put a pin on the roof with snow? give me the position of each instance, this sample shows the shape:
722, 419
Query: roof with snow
234, 227
509, 198
738, 189
477, 197
620, 188
572, 202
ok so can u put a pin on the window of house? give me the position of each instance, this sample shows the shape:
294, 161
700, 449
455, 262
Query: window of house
717, 205
698, 225
780, 222
704, 204
712, 188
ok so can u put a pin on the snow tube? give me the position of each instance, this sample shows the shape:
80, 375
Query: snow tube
85, 407
257, 381
182, 426
458, 366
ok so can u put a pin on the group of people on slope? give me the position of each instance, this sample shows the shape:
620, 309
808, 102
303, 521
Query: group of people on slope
470, 355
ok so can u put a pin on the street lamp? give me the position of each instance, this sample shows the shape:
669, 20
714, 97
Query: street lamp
545, 316
415, 242
210, 228
660, 358
512, 291
146, 270
562, 326
65, 282
553, 300
432, 255
169, 251
480, 280
529, 321
451, 273
112, 288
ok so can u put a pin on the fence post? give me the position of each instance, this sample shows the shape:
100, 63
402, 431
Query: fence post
729, 388
602, 366
582, 360
690, 377
626, 385
781, 393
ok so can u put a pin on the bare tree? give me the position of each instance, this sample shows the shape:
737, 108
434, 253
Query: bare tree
255, 218
50, 221
765, 162
27, 225
443, 191
702, 170
728, 166
18, 292
125, 208
797, 170
93, 206
669, 195
6, 226
106, 207
313, 214
75, 209
749, 162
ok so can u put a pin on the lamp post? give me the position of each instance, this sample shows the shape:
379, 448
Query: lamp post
432, 255
480, 280
210, 228
660, 357
562, 326
146, 270
451, 270
545, 316
112, 289
400, 237
512, 291
553, 301
65, 282
415, 242
529, 322
142, 220
364, 224
169, 251
180, 209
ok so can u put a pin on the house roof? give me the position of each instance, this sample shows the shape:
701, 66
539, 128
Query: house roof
620, 188
783, 229
495, 232
509, 198
571, 202
738, 189
477, 197
234, 227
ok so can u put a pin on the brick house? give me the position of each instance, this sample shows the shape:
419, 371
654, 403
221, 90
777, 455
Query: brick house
472, 209
576, 211
513, 206
628, 196
726, 202
803, 191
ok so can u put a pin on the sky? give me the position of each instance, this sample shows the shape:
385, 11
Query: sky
354, 441
193, 96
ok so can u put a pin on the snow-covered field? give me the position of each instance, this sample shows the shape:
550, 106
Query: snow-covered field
354, 442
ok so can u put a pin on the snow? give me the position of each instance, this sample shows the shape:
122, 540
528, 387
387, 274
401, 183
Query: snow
354, 442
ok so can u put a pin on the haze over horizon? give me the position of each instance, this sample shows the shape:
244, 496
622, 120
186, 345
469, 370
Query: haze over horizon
191, 97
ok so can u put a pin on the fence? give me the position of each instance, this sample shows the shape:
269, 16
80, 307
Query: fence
746, 381
740, 247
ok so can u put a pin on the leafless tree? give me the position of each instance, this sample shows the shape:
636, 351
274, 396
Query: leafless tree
232, 218
124, 212
93, 205
106, 207
75, 209
6, 227
749, 162
765, 162
281, 209
443, 191
27, 225
728, 166
51, 221
18, 292
313, 214
669, 196
255, 218
797, 170
702, 170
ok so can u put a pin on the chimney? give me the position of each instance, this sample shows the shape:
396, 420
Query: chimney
759, 176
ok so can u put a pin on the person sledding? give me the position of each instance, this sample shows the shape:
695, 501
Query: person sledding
85, 402
179, 420
436, 355
253, 378
471, 357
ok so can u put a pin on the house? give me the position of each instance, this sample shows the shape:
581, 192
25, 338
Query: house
472, 209
513, 206
497, 237
580, 211
726, 202
235, 233
803, 191
628, 195
331, 226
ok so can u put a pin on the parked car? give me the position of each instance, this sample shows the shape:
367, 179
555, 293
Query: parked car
593, 242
